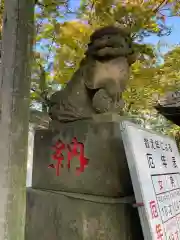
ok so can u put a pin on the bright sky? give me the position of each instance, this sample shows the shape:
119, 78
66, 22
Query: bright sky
173, 38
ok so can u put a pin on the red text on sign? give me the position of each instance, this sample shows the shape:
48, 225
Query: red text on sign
75, 149
159, 232
153, 208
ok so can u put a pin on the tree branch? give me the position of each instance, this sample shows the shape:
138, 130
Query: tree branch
164, 2
47, 5
43, 5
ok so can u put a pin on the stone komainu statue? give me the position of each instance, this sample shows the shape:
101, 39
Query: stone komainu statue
97, 86
169, 106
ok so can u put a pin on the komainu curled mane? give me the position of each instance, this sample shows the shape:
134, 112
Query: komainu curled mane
96, 87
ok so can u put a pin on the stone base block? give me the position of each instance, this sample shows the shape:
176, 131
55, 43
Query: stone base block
52, 216
107, 171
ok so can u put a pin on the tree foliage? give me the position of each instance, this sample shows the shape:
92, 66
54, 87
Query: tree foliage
62, 32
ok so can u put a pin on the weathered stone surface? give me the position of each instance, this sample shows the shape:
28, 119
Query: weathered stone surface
107, 172
52, 216
97, 86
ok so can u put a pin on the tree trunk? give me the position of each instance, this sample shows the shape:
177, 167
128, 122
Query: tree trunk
14, 99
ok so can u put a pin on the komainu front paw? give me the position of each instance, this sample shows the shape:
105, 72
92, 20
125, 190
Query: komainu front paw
103, 103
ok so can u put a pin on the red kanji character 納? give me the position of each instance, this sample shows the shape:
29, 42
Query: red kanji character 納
58, 156
77, 149
153, 207
159, 232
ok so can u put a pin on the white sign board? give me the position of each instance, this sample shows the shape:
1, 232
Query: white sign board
154, 165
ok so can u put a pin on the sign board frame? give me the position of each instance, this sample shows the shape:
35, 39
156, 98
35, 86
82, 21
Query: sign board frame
133, 136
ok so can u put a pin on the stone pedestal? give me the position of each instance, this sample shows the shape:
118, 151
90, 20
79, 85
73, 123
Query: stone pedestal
107, 171
53, 216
